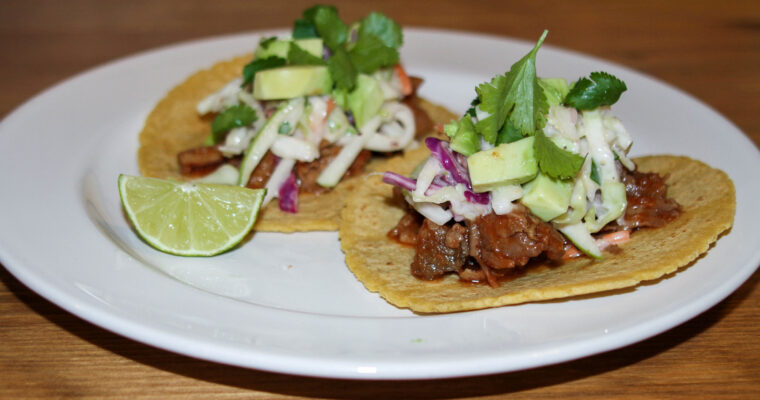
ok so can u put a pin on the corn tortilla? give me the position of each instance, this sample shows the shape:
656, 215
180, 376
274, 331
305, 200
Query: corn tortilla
174, 125
707, 196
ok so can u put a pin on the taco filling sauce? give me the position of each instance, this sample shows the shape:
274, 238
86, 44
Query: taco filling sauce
537, 169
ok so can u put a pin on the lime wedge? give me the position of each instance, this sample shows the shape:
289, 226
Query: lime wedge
189, 219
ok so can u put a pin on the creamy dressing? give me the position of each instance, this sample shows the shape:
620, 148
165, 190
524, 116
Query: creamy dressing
225, 97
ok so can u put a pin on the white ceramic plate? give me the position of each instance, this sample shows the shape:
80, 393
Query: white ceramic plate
288, 303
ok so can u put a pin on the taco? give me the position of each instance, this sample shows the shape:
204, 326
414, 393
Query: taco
533, 198
302, 117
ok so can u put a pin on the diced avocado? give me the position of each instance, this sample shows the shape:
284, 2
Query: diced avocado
365, 100
555, 90
464, 140
291, 81
274, 48
313, 46
280, 47
546, 197
505, 164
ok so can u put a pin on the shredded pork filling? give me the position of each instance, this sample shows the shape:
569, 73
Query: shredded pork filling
492, 247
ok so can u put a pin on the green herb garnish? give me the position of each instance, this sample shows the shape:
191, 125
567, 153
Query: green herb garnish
342, 70
299, 56
377, 41
265, 42
370, 53
328, 25
303, 29
471, 111
515, 95
516, 107
508, 133
233, 117
250, 70
602, 89
284, 128
382, 27
553, 160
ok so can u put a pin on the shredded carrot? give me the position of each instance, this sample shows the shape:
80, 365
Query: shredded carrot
603, 242
613, 238
406, 83
330, 106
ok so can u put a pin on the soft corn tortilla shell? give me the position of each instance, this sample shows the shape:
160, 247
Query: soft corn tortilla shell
707, 196
174, 126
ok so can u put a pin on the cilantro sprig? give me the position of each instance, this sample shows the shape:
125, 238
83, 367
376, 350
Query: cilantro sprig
250, 69
553, 160
602, 89
233, 117
516, 107
516, 96
328, 25
299, 56
372, 45
376, 43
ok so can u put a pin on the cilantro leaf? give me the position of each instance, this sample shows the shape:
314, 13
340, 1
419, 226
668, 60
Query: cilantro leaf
250, 70
515, 95
602, 89
310, 13
508, 133
340, 95
328, 25
284, 128
233, 117
342, 70
553, 160
265, 42
471, 111
384, 28
303, 29
299, 56
370, 53
493, 96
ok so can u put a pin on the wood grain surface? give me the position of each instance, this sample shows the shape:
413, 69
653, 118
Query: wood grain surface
708, 49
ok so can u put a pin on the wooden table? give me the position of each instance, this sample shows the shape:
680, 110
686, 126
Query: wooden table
709, 49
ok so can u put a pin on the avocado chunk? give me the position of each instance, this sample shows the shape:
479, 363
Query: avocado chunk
505, 164
365, 100
291, 81
546, 197
280, 47
463, 138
